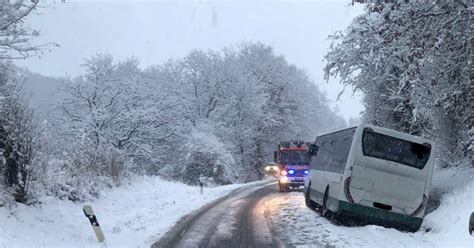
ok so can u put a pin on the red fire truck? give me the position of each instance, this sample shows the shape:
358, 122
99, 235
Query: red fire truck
293, 164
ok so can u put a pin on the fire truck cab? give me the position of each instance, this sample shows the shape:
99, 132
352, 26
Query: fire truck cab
292, 160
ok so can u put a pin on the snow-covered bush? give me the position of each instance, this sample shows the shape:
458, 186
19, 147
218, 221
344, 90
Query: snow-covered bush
207, 159
65, 173
17, 134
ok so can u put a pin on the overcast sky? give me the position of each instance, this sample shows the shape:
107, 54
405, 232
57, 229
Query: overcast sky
155, 31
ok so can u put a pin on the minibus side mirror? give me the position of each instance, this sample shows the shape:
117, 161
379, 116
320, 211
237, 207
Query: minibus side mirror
313, 150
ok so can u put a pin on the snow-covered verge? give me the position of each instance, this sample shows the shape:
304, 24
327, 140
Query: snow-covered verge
447, 226
133, 215
447, 180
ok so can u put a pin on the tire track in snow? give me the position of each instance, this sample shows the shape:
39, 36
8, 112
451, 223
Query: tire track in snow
226, 222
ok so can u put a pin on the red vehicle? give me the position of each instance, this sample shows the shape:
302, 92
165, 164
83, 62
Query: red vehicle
293, 164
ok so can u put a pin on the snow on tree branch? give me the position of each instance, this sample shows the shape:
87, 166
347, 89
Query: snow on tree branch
15, 34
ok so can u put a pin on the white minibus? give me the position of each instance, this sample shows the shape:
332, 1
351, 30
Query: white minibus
375, 174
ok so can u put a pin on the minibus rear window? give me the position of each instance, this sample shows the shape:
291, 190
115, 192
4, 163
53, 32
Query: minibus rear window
394, 149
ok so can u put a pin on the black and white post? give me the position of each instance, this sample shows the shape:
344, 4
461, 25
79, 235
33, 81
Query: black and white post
95, 224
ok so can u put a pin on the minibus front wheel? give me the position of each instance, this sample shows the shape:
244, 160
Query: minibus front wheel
309, 203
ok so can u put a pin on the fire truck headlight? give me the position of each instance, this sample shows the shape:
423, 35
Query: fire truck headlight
283, 179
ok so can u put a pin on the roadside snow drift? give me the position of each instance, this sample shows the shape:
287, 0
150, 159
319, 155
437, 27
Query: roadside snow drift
133, 215
447, 226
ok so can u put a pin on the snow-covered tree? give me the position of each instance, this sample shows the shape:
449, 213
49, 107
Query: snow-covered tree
17, 129
15, 36
252, 99
413, 62
111, 114
17, 133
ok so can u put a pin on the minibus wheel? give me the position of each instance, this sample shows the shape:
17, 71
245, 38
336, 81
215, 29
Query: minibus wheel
325, 211
309, 203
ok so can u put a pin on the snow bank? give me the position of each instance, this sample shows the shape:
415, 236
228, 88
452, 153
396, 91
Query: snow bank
447, 226
447, 180
133, 215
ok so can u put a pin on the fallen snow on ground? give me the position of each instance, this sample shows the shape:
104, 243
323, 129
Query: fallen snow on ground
447, 226
138, 214
133, 215
446, 180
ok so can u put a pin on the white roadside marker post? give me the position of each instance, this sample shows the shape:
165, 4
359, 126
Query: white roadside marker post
95, 224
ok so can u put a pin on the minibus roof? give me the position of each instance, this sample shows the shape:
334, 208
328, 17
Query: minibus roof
391, 132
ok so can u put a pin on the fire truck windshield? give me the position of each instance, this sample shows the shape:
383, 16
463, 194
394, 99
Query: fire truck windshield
294, 157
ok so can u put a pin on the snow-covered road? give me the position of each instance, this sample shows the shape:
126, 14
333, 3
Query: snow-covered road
237, 220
